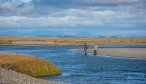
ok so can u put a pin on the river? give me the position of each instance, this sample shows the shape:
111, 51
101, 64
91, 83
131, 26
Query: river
80, 69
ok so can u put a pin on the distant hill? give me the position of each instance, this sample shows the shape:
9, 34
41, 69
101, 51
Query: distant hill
83, 34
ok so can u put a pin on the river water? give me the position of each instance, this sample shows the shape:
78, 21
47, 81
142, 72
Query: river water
80, 69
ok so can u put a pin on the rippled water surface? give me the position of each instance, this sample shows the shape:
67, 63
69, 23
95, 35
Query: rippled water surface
80, 69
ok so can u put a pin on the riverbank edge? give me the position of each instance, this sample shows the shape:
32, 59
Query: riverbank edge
30, 65
13, 77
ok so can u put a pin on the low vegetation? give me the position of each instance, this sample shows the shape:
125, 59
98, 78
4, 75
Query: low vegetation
29, 65
71, 41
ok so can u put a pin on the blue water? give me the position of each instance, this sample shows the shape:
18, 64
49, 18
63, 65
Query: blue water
80, 69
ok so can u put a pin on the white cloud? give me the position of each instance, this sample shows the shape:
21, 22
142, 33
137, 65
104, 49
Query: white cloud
73, 17
86, 12
18, 2
68, 21
70, 17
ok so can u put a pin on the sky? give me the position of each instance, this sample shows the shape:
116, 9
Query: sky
88, 18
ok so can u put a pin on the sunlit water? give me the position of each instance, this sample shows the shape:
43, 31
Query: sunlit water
80, 69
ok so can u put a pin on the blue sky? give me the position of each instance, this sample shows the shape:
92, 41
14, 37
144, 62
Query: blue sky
125, 18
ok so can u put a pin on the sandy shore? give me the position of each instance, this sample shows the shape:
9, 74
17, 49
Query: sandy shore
121, 52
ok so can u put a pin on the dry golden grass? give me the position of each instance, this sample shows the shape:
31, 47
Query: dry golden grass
29, 65
70, 41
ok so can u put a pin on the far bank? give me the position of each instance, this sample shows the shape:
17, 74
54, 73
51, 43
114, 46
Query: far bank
71, 41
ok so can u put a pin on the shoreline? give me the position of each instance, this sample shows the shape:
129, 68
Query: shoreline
71, 41
26, 69
13, 77
120, 52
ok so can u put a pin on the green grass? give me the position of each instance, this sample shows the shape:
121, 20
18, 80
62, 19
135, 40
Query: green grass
29, 65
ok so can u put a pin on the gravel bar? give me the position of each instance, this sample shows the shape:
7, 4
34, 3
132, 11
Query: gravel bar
12, 77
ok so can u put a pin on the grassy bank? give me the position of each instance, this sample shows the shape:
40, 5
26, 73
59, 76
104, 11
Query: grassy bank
29, 65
